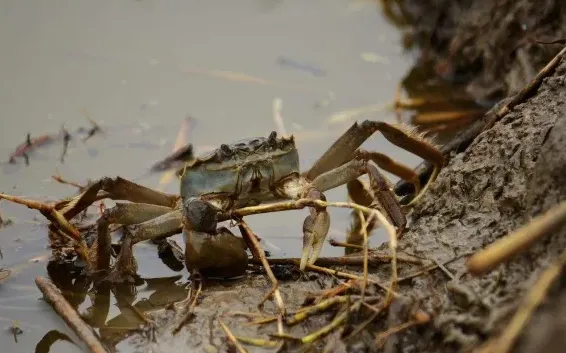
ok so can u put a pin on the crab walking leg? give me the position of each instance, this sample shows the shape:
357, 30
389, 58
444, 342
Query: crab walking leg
345, 148
316, 224
154, 228
360, 195
117, 189
386, 163
383, 194
126, 214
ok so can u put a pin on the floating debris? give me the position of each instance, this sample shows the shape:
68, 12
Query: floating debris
374, 58
287, 62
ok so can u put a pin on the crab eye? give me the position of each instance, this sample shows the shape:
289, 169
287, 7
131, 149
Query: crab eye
225, 149
272, 138
200, 215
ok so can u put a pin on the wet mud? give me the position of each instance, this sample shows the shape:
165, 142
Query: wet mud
488, 47
509, 174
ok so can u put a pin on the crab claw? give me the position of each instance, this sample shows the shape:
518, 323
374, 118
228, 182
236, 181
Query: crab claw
199, 215
315, 229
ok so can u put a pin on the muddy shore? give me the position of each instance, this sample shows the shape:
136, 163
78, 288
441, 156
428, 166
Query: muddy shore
509, 174
488, 46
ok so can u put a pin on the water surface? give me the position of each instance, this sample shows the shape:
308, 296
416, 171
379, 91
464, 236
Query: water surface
138, 68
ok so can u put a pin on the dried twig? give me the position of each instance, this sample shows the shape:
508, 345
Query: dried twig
56, 218
258, 342
60, 179
231, 337
54, 297
374, 259
337, 243
507, 247
532, 300
419, 318
252, 241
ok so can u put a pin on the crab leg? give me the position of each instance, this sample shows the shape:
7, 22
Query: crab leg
116, 189
345, 148
382, 192
145, 226
316, 224
126, 214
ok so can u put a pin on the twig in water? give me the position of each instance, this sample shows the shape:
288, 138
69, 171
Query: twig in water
60, 179
66, 139
54, 297
95, 128
56, 218
364, 225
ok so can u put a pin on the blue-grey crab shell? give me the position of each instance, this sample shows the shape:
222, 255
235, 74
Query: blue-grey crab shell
242, 170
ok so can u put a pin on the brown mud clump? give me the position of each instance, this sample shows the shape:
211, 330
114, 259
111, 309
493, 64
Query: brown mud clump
488, 46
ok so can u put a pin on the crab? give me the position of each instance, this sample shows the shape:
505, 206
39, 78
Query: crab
244, 173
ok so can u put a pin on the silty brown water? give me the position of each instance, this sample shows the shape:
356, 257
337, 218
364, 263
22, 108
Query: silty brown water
140, 67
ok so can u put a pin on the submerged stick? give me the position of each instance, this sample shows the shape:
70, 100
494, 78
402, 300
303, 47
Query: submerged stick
510, 245
54, 297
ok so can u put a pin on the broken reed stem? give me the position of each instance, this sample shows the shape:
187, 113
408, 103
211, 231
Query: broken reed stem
231, 337
374, 259
365, 246
189, 314
60, 180
347, 275
517, 241
55, 217
527, 90
258, 342
302, 203
535, 296
252, 239
54, 297
338, 321
337, 243
307, 312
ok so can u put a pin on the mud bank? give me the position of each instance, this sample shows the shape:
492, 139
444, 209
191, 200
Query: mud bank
489, 46
509, 174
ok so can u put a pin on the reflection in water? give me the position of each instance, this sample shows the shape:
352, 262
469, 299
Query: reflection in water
437, 105
50, 338
132, 317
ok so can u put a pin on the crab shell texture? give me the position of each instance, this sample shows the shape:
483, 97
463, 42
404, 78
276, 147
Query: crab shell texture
242, 173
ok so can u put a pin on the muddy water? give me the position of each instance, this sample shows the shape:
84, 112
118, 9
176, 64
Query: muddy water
138, 68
